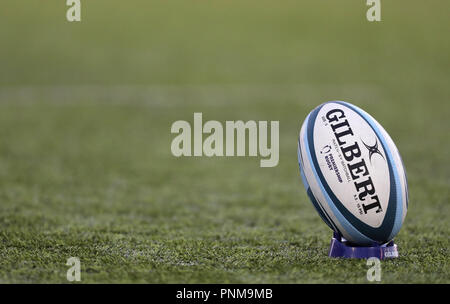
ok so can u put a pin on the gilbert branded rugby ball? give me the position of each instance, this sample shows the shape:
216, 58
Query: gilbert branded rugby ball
353, 173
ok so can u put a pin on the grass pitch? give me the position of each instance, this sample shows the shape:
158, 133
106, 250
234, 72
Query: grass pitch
85, 113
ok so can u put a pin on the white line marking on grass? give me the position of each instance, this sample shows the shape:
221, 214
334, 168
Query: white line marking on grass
215, 95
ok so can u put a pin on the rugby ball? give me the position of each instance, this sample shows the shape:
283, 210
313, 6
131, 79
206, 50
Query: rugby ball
353, 173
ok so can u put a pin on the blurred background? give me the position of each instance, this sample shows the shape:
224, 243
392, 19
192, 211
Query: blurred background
85, 115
